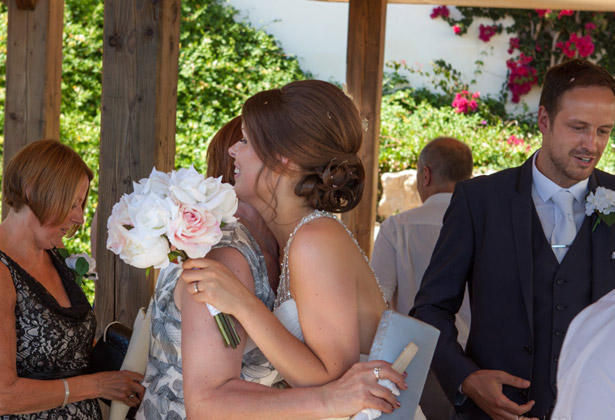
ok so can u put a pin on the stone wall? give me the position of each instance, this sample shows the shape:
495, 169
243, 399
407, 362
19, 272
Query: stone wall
399, 193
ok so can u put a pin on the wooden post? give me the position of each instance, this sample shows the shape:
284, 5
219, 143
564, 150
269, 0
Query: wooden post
33, 74
139, 101
364, 67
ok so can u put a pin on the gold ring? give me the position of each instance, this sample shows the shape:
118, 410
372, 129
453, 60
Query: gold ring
377, 373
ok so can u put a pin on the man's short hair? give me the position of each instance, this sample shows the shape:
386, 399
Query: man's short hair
449, 159
569, 75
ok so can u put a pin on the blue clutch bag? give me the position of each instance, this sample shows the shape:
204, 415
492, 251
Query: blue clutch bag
394, 333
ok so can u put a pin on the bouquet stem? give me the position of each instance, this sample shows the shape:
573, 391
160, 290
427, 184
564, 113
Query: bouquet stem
227, 329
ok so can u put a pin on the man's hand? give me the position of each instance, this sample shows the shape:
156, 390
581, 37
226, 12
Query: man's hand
484, 387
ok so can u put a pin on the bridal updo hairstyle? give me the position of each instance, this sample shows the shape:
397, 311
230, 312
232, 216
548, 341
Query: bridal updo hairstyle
44, 176
318, 128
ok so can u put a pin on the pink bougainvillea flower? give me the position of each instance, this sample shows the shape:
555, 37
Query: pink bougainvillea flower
460, 103
513, 44
487, 32
476, 95
568, 48
565, 13
522, 76
543, 12
590, 26
456, 29
440, 11
585, 46
463, 104
515, 141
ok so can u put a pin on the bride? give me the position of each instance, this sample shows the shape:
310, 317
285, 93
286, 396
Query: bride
296, 164
190, 374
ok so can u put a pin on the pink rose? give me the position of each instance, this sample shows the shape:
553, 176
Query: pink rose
194, 230
456, 29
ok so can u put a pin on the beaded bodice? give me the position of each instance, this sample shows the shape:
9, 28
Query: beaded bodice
283, 293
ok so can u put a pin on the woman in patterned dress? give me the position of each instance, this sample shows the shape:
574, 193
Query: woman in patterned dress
189, 365
296, 162
48, 326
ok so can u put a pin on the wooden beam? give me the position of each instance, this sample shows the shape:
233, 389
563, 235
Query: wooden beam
365, 62
139, 100
590, 5
33, 75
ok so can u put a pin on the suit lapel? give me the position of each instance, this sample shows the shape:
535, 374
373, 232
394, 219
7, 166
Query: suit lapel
521, 213
603, 249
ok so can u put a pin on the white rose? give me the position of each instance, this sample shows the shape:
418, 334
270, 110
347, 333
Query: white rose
116, 225
225, 203
150, 214
187, 186
144, 252
157, 183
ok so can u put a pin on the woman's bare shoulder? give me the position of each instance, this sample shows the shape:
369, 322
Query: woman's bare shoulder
323, 235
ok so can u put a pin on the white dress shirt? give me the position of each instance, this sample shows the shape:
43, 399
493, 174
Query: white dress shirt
402, 252
586, 372
548, 213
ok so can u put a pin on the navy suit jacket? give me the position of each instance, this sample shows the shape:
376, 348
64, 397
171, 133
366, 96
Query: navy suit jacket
486, 242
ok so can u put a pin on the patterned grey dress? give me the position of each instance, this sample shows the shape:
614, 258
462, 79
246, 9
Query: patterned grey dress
52, 341
164, 394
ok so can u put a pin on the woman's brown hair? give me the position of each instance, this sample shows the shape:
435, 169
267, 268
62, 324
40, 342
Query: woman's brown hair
219, 162
44, 176
317, 127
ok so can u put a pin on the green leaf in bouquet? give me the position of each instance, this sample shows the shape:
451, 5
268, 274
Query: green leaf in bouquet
63, 253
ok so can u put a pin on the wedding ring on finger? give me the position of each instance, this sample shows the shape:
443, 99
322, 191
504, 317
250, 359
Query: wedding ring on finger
377, 373
196, 286
131, 397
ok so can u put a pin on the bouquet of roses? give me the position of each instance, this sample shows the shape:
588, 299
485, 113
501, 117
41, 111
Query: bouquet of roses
170, 216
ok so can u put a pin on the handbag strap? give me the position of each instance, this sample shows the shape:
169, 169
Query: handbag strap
107, 328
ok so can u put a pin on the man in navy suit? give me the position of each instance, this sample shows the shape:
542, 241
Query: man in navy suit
530, 263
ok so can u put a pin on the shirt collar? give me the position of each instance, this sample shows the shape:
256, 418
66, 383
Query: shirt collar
546, 188
439, 198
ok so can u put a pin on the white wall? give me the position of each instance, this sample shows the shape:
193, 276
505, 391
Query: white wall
316, 33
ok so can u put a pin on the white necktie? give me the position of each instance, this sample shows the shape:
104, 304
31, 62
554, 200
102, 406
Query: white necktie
565, 228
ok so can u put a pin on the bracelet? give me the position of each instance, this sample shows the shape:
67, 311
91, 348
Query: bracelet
66, 393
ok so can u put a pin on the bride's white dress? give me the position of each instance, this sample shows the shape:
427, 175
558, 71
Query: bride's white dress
285, 307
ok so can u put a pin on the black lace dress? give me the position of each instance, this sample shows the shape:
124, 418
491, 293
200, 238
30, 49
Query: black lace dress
52, 342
